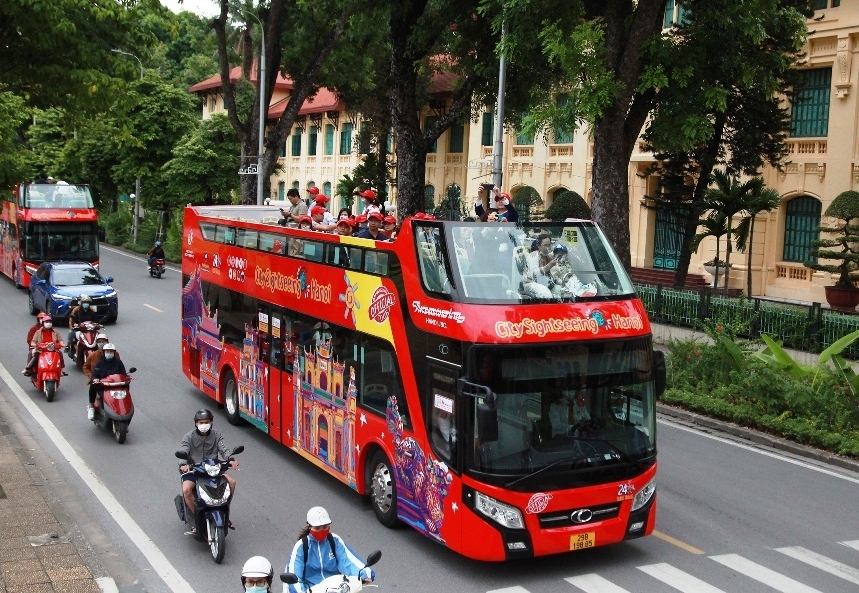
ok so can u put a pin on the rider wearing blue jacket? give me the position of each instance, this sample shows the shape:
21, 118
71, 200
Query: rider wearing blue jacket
319, 554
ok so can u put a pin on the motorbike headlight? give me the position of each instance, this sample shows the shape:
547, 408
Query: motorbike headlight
501, 513
212, 501
644, 495
212, 470
50, 347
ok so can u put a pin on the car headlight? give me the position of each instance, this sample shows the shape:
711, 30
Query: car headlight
212, 470
110, 293
61, 297
644, 495
503, 514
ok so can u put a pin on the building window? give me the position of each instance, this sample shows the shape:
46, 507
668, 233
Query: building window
800, 229
429, 198
456, 139
295, 185
281, 190
430, 121
364, 138
524, 138
675, 14
329, 139
283, 150
326, 188
296, 142
346, 139
562, 135
311, 140
810, 113
821, 4
488, 129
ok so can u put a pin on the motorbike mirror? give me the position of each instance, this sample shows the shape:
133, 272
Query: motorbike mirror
183, 455
238, 450
109, 279
288, 578
374, 557
132, 370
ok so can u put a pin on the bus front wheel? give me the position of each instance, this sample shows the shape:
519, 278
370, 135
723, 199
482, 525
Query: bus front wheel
383, 490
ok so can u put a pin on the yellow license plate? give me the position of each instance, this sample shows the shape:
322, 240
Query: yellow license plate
580, 541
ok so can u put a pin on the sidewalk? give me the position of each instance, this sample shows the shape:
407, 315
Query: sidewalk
41, 548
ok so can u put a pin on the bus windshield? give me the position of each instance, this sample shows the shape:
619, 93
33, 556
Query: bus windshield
575, 408
59, 195
41, 241
499, 263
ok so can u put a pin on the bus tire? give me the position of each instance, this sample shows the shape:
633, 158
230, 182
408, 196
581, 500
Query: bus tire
383, 490
231, 399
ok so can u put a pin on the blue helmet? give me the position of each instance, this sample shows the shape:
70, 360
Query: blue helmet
158, 243
560, 247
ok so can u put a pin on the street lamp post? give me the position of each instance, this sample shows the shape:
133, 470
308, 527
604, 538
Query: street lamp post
135, 215
262, 105
498, 149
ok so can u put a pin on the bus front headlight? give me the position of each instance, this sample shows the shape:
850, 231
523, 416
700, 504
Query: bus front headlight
644, 495
503, 514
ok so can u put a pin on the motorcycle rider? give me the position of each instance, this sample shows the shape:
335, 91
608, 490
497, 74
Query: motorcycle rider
203, 442
46, 334
82, 312
155, 252
319, 554
94, 357
110, 364
32, 331
257, 575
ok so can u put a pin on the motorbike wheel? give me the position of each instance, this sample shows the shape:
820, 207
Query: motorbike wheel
158, 274
120, 430
34, 310
217, 543
79, 359
50, 389
231, 400
383, 490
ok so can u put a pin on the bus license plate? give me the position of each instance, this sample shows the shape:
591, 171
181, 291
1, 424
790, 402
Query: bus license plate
580, 541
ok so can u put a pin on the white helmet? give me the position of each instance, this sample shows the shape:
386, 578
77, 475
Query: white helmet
318, 516
109, 346
257, 566
101, 337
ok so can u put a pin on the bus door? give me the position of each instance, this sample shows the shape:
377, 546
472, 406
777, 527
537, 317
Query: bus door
444, 422
270, 328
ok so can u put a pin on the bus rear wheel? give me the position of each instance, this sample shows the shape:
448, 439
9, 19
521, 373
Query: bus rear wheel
383, 490
231, 400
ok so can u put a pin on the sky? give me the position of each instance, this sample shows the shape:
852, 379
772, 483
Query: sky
201, 7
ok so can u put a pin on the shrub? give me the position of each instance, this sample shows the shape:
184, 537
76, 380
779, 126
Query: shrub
566, 205
117, 227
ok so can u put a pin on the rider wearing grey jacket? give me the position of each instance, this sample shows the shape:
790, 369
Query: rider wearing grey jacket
203, 443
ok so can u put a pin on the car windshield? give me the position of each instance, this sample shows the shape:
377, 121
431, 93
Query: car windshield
565, 411
76, 276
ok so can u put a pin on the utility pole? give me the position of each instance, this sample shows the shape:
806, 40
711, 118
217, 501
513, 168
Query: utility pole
498, 148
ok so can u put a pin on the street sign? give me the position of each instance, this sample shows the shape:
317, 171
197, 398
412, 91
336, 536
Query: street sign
479, 164
249, 170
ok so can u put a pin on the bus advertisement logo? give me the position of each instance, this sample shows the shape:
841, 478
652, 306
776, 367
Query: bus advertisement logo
381, 304
297, 285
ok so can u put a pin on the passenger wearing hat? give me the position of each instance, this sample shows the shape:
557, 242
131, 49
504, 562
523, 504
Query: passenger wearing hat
344, 227
327, 218
305, 222
370, 204
319, 554
360, 223
389, 226
373, 230
317, 213
504, 209
565, 283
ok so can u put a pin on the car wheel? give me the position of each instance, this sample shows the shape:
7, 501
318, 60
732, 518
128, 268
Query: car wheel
34, 310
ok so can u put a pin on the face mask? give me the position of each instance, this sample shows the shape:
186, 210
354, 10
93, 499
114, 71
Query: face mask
256, 589
48, 325
204, 428
85, 305
320, 534
108, 355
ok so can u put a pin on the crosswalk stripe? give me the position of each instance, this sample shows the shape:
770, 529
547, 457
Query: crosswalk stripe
762, 574
678, 579
851, 544
848, 573
594, 583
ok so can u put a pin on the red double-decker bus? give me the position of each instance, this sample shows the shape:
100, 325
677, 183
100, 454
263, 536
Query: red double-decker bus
500, 418
46, 222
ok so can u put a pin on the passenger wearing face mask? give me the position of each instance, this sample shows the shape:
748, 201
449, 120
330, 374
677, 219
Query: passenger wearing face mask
110, 364
94, 357
257, 575
46, 334
319, 554
203, 443
83, 312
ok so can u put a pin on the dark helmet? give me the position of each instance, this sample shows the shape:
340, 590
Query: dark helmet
203, 414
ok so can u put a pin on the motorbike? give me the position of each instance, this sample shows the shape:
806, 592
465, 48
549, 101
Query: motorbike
49, 368
212, 513
85, 345
338, 583
157, 269
113, 406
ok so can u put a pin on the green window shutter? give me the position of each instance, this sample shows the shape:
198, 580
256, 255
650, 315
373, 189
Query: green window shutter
563, 136
346, 139
668, 21
311, 141
524, 139
810, 113
329, 139
429, 198
430, 120
281, 190
283, 150
326, 188
457, 135
800, 228
488, 129
296, 142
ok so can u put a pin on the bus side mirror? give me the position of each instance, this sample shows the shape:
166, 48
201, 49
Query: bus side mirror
487, 422
659, 373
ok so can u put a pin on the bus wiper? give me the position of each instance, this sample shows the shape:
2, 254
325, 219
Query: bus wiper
619, 452
539, 471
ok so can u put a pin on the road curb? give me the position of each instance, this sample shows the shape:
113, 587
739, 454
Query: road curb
757, 437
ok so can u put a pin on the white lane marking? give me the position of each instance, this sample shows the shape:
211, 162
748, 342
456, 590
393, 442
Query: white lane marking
676, 578
160, 564
516, 589
810, 466
762, 574
153, 308
848, 573
851, 544
594, 583
106, 585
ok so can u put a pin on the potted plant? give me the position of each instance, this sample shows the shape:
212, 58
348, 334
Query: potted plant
716, 267
842, 246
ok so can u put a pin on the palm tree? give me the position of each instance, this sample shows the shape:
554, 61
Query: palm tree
715, 225
728, 197
762, 199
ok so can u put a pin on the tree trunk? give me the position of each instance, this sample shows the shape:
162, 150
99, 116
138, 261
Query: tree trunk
610, 185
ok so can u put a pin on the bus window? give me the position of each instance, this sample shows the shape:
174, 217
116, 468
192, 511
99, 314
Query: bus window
313, 251
268, 241
432, 260
379, 378
442, 420
376, 262
247, 238
207, 229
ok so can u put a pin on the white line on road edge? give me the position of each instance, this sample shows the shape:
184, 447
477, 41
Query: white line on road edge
107, 585
804, 464
162, 567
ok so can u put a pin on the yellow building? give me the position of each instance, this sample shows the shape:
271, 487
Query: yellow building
823, 161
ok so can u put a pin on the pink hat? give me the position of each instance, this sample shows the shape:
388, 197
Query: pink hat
368, 193
317, 210
377, 215
313, 190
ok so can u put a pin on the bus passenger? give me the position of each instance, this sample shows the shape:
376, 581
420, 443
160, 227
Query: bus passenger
344, 227
370, 204
344, 213
319, 554
565, 283
559, 416
389, 225
537, 277
327, 217
374, 221
360, 224
317, 214
296, 211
